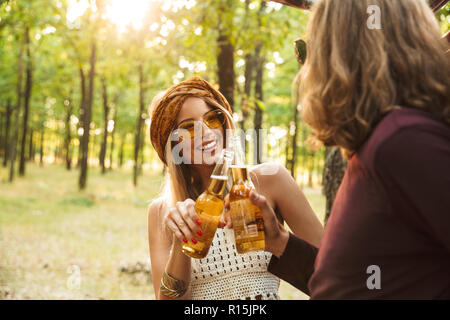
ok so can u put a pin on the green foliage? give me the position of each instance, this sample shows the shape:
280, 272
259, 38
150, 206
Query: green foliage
170, 44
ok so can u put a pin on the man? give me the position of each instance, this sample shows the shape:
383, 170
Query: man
383, 98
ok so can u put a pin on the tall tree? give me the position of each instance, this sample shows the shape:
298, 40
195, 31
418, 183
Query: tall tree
87, 116
8, 113
225, 66
13, 153
333, 173
105, 125
113, 131
140, 123
258, 117
68, 135
27, 97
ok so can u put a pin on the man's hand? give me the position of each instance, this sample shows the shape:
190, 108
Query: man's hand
276, 235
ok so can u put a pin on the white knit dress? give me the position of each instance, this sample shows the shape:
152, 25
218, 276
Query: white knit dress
225, 274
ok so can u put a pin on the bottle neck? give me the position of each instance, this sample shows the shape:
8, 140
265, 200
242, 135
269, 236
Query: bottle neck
217, 185
240, 174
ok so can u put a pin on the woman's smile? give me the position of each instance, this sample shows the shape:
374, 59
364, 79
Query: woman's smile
208, 145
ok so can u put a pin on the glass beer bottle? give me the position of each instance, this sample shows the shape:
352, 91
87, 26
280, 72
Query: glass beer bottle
209, 207
247, 220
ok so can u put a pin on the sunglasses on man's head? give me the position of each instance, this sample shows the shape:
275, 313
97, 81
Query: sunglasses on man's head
300, 50
213, 119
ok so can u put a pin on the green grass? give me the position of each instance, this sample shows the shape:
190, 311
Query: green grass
50, 231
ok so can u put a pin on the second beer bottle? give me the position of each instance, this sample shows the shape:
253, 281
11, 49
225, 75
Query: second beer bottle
247, 220
209, 207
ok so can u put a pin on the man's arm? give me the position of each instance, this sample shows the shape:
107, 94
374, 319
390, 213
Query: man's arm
296, 264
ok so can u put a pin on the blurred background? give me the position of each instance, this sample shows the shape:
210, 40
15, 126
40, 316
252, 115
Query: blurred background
77, 169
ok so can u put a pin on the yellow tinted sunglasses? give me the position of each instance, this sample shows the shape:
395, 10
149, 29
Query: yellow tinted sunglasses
213, 119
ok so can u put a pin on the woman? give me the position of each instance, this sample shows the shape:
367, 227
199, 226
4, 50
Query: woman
194, 105
382, 96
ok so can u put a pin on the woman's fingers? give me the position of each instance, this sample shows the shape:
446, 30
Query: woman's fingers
174, 228
222, 224
226, 202
183, 221
189, 216
181, 224
228, 221
194, 219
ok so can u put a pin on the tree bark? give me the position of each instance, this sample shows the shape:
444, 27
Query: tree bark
259, 56
140, 121
141, 157
9, 111
225, 64
111, 150
122, 146
30, 145
87, 115
293, 159
41, 151
68, 136
333, 173
259, 99
81, 113
105, 129
27, 97
13, 153
2, 138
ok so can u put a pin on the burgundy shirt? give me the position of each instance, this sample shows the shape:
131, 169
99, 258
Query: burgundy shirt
392, 210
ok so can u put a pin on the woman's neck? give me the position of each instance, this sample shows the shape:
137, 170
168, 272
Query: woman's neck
204, 173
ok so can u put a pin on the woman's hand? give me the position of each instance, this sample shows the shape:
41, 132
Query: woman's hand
183, 221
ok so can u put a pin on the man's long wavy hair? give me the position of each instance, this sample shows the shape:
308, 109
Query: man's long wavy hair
354, 75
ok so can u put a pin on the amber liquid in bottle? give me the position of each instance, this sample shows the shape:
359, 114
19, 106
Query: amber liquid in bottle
247, 220
209, 206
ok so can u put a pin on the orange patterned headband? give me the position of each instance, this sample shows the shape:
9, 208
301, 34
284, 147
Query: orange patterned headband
166, 109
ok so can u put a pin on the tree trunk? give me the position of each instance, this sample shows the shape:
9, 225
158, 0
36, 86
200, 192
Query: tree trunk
141, 157
87, 115
304, 149
293, 159
9, 111
2, 130
30, 145
81, 113
259, 56
105, 129
140, 121
27, 96
122, 146
13, 153
225, 64
111, 150
259, 99
68, 137
333, 173
41, 151
248, 74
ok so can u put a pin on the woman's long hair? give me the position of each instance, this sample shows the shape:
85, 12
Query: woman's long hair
354, 75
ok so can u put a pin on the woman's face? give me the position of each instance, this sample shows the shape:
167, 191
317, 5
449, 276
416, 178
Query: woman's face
205, 143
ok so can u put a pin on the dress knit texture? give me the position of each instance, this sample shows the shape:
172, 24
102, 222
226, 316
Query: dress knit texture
225, 274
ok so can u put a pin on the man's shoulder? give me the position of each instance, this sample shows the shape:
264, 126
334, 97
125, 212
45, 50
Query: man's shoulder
408, 123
